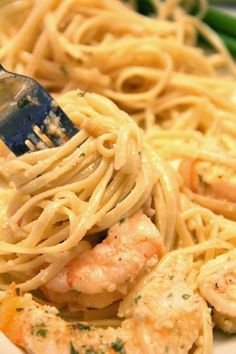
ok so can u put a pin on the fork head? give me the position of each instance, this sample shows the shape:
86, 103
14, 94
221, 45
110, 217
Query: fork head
30, 119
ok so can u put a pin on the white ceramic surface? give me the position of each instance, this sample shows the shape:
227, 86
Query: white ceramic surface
222, 345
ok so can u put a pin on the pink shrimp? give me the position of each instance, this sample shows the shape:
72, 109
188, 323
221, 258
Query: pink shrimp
111, 267
161, 315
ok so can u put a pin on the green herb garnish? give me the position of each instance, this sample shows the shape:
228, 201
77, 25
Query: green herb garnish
82, 154
186, 296
122, 219
81, 327
19, 309
91, 351
72, 349
64, 70
137, 298
81, 93
203, 183
118, 346
42, 332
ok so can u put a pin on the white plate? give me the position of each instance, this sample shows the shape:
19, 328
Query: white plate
222, 345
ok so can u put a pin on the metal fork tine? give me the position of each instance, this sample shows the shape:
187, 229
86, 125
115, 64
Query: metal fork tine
30, 145
38, 143
25, 104
43, 136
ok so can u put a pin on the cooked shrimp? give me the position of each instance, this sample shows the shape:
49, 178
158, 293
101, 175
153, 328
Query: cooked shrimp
111, 266
204, 178
226, 323
162, 315
217, 284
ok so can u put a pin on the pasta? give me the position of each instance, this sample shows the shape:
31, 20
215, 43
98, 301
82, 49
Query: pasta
166, 147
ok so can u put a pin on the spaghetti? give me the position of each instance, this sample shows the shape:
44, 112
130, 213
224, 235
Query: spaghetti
172, 154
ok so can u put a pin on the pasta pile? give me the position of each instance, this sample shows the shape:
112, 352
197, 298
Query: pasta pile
169, 147
101, 175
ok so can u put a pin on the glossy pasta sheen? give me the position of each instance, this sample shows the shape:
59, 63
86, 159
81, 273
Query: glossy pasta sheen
146, 189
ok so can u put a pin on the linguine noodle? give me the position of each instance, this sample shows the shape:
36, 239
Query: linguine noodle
169, 147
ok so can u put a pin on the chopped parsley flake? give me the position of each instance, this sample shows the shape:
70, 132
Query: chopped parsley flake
19, 309
122, 219
23, 102
137, 298
203, 183
118, 346
82, 154
83, 327
73, 350
81, 93
18, 291
171, 277
186, 296
42, 332
64, 70
90, 351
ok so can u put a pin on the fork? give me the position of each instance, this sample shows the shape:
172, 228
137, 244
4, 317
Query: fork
30, 119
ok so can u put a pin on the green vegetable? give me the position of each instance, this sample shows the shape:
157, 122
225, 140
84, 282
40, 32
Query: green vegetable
223, 23
230, 42
219, 20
